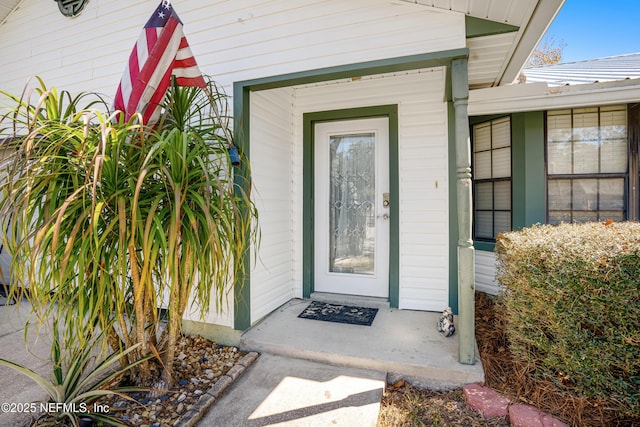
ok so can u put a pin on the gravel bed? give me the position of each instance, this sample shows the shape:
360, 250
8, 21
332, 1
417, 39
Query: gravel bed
199, 363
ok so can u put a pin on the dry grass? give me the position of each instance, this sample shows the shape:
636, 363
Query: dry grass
405, 405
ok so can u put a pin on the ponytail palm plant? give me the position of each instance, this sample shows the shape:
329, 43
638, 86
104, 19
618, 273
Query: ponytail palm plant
108, 220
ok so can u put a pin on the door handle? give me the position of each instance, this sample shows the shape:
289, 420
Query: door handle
384, 216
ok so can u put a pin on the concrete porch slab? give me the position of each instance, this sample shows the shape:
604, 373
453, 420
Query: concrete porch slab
402, 343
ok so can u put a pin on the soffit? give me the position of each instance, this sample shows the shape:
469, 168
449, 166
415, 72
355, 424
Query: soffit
497, 58
6, 7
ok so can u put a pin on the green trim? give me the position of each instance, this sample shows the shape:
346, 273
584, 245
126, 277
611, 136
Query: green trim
528, 193
477, 27
484, 246
309, 120
453, 211
518, 172
242, 181
403, 63
535, 180
241, 111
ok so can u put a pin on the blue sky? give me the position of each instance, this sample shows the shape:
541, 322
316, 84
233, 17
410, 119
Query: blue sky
594, 29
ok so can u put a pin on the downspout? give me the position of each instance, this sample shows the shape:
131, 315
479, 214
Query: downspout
466, 255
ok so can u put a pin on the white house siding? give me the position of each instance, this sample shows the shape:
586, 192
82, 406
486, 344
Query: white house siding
232, 40
272, 175
217, 315
423, 169
486, 272
249, 39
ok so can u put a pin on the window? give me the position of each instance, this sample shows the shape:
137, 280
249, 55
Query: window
587, 164
492, 178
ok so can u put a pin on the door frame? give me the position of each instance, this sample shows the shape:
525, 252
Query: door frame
309, 121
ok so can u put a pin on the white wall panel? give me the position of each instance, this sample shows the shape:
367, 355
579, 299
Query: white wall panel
486, 272
232, 40
271, 169
423, 173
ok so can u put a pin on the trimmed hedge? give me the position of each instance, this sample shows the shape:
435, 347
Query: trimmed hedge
572, 300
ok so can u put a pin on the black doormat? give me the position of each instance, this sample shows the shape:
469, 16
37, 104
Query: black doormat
339, 313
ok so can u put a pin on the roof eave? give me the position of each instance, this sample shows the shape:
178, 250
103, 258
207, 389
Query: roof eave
528, 38
540, 97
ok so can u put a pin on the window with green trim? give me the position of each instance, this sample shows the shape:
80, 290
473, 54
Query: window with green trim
491, 178
587, 164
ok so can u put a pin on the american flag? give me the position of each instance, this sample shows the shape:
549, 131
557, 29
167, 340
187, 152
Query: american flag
160, 52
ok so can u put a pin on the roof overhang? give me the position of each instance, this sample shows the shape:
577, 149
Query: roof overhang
541, 97
501, 34
7, 7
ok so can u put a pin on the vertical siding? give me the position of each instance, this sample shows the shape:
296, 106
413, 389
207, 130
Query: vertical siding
424, 262
486, 272
232, 40
424, 195
271, 170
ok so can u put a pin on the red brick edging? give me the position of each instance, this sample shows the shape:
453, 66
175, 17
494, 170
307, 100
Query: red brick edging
491, 404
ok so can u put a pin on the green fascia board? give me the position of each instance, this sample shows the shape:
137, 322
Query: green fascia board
309, 119
403, 63
477, 27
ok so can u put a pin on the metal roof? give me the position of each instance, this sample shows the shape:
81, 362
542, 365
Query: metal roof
606, 69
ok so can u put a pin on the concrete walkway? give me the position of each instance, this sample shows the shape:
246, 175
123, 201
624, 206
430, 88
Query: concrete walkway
16, 388
309, 373
285, 391
314, 373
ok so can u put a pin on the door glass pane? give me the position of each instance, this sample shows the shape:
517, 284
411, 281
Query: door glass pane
352, 203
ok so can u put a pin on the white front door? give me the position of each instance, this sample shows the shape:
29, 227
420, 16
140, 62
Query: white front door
351, 207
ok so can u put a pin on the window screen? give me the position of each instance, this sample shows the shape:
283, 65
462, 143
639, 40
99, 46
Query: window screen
587, 164
492, 178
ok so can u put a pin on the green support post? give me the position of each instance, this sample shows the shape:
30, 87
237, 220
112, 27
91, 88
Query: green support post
466, 255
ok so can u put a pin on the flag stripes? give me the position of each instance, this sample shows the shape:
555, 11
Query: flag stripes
160, 52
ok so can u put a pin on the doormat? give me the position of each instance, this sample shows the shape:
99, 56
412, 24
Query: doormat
339, 313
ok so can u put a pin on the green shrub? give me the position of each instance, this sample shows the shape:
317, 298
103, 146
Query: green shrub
572, 298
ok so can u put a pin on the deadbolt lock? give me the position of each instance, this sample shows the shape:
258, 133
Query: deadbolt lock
385, 200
